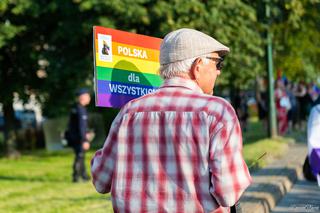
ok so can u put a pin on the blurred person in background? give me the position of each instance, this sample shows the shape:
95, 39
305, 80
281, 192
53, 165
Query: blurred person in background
78, 136
262, 101
242, 109
292, 112
303, 103
282, 105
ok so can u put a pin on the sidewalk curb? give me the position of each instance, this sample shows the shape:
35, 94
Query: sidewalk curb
272, 182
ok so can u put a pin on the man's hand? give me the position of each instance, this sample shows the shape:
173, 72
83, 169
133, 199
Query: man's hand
86, 145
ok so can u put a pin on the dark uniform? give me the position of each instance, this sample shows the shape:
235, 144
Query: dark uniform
77, 127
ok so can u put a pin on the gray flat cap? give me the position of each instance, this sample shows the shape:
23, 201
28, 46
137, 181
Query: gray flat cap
188, 43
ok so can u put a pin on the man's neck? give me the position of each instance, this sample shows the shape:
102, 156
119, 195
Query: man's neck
185, 76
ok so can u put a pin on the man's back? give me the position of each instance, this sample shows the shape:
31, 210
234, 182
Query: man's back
164, 149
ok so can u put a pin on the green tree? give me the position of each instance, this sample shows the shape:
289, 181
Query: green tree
231, 21
46, 47
296, 32
44, 50
17, 63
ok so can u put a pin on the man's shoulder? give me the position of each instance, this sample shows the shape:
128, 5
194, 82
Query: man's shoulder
134, 104
191, 101
218, 105
217, 99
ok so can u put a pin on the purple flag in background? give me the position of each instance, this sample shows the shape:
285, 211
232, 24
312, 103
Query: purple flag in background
314, 161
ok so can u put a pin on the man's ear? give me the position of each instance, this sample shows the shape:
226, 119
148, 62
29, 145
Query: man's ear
195, 69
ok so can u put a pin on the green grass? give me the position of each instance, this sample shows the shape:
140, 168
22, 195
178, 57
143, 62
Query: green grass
263, 151
41, 182
259, 150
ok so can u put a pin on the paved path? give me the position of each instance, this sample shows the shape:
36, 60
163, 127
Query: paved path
274, 181
303, 197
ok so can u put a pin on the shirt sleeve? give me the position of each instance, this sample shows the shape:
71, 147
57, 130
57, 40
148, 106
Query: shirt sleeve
229, 173
104, 161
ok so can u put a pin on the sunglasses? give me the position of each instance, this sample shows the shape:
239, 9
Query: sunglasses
219, 62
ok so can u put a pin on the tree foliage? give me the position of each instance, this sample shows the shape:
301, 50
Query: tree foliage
296, 38
46, 46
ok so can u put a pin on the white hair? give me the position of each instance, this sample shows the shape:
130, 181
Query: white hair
179, 68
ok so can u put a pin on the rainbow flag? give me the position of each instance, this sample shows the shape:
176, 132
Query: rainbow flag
126, 66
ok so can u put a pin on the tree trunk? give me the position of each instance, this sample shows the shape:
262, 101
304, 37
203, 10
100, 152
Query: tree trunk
10, 133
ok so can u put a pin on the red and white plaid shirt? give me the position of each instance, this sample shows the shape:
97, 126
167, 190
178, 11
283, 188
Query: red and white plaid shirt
175, 150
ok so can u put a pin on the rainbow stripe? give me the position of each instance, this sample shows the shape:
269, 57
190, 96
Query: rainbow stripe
130, 64
122, 76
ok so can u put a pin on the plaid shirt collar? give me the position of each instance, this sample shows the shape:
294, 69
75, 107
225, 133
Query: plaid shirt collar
182, 82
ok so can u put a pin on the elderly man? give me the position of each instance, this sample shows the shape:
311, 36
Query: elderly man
178, 149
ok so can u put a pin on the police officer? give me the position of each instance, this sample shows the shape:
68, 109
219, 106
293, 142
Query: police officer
78, 138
